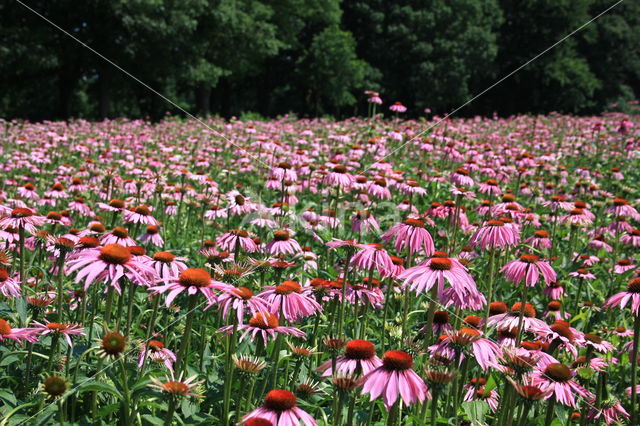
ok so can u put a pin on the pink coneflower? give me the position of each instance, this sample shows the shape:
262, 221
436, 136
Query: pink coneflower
393, 379
28, 191
359, 359
512, 319
215, 212
280, 408
490, 187
363, 220
264, 324
621, 207
238, 204
631, 238
339, 177
119, 235
558, 202
140, 214
236, 239
528, 268
539, 240
282, 243
597, 343
621, 299
114, 206
611, 411
24, 218
18, 334
583, 274
9, 286
559, 378
475, 393
79, 205
65, 330
167, 265
461, 177
412, 235
363, 295
554, 291
283, 171
177, 386
398, 107
152, 235
56, 192
288, 299
623, 265
495, 234
554, 310
373, 257
623, 332
436, 271
576, 217
470, 341
191, 280
109, 264
156, 352
240, 299
378, 188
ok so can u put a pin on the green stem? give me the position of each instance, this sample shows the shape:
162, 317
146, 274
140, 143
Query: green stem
492, 257
549, 417
634, 365
184, 347
132, 295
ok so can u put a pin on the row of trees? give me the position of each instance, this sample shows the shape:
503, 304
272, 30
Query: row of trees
314, 56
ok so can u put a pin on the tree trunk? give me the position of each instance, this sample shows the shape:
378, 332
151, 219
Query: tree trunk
105, 95
203, 98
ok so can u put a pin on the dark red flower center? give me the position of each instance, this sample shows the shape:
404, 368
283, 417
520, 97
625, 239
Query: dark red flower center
529, 258
558, 372
115, 254
280, 400
397, 361
359, 349
264, 320
164, 257
196, 277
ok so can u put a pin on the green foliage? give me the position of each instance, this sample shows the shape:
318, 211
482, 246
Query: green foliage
315, 56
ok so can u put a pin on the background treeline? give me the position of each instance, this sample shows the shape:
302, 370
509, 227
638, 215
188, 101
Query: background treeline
314, 57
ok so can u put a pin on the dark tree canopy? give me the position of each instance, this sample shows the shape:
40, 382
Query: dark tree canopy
315, 57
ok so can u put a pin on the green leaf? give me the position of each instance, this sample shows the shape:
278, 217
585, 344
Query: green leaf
476, 411
108, 409
99, 387
153, 419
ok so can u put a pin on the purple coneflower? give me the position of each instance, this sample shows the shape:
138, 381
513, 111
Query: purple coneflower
280, 408
358, 360
528, 268
395, 379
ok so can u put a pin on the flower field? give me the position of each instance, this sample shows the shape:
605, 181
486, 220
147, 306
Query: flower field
297, 271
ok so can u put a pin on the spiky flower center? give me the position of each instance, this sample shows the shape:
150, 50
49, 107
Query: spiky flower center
359, 349
558, 372
5, 328
55, 386
282, 235
397, 361
164, 257
194, 277
120, 232
280, 400
529, 310
288, 287
113, 343
20, 213
175, 387
115, 254
264, 321
56, 327
243, 293
529, 258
